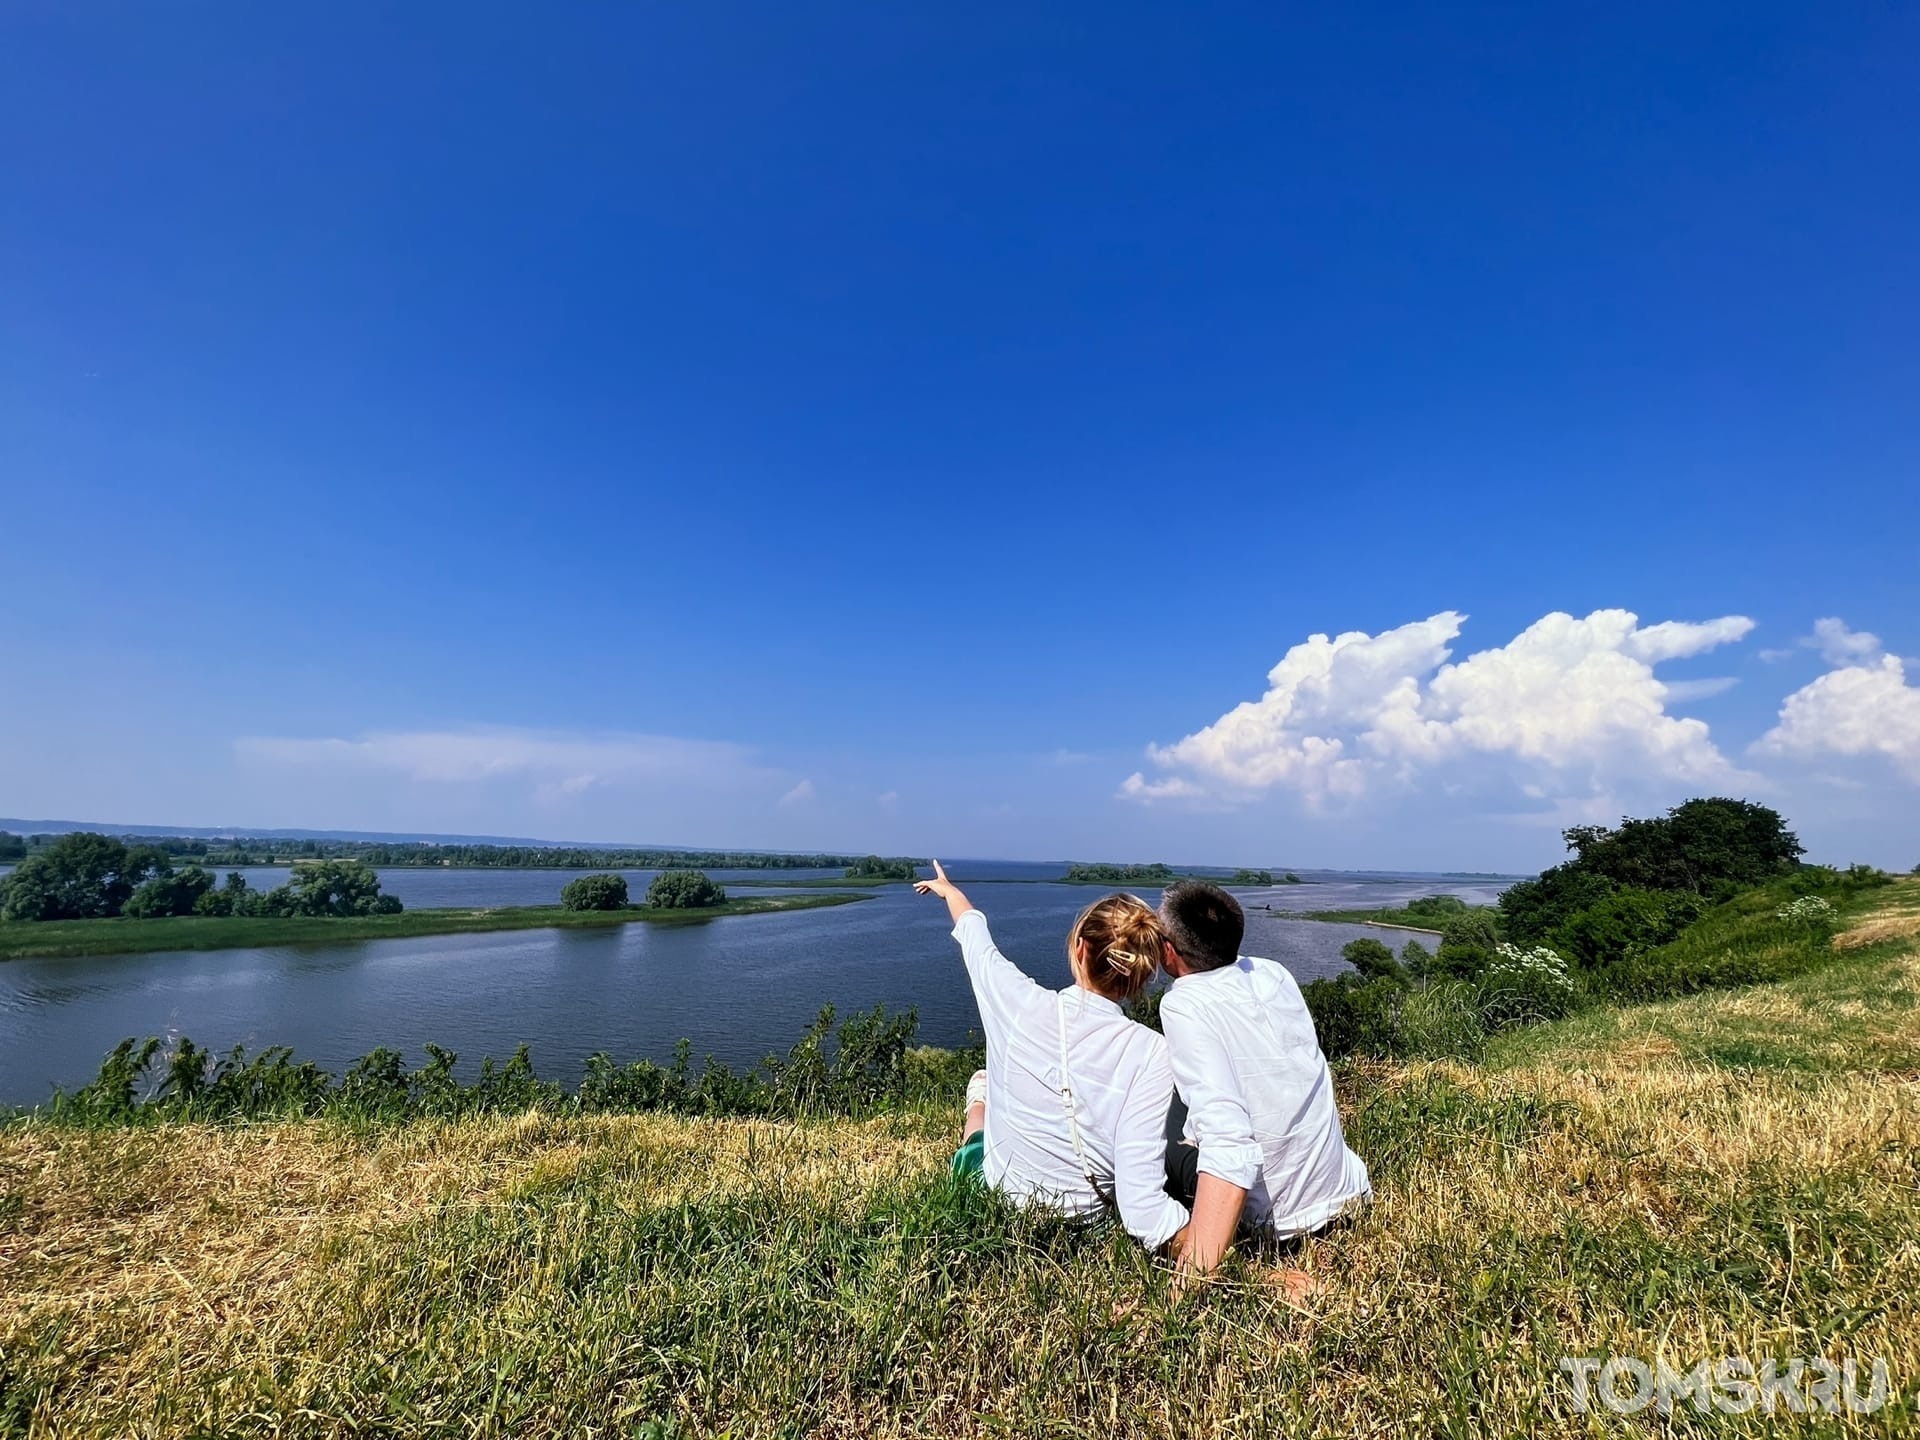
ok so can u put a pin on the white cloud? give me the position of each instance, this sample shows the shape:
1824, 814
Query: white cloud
887, 800
1569, 707
1773, 657
1137, 787
558, 763
1840, 646
1702, 689
1865, 709
799, 794
1068, 757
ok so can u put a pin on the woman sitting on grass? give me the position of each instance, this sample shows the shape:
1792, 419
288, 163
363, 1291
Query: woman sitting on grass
1071, 1109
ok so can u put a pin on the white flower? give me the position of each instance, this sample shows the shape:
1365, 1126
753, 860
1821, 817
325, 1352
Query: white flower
1810, 908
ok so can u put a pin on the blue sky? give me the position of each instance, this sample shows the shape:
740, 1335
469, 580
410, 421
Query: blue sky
921, 428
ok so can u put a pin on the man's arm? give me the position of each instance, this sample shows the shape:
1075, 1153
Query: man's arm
1216, 1216
1217, 1114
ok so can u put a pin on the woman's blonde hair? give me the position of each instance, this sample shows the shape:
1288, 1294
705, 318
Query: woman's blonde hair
1123, 938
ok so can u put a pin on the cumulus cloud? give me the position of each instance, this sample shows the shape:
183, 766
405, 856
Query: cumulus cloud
1567, 706
558, 764
1840, 646
1857, 709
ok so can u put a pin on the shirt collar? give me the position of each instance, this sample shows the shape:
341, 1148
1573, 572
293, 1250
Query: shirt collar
1088, 997
1239, 963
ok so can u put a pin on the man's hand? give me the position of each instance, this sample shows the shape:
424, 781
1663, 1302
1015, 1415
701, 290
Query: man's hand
957, 902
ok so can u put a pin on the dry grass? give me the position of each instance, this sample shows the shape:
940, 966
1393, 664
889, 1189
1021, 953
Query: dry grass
1622, 1183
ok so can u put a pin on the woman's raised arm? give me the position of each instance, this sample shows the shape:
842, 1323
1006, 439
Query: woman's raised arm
957, 902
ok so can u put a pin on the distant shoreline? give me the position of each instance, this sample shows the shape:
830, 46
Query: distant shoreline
57, 939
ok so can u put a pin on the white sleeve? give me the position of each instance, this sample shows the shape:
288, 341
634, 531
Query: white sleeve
1151, 1215
1217, 1114
998, 984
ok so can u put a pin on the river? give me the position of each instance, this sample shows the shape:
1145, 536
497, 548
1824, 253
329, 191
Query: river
738, 987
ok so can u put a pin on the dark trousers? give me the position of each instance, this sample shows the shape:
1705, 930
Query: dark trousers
1183, 1160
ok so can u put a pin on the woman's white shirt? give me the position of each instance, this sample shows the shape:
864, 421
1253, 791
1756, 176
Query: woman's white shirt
1122, 1081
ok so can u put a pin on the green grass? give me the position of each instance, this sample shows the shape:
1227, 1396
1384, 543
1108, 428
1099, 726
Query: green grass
1387, 915
1630, 1182
123, 936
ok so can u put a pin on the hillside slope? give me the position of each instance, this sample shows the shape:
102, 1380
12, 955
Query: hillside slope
1731, 1174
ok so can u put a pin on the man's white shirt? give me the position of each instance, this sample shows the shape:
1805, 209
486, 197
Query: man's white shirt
1259, 1094
1121, 1081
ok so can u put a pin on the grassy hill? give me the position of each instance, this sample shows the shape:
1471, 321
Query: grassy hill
1734, 1173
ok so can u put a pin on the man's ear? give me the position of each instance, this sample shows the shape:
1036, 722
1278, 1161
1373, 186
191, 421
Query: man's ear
1170, 960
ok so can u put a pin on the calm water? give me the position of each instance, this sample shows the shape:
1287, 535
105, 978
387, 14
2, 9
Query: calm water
738, 987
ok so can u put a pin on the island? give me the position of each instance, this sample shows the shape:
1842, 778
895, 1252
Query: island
89, 894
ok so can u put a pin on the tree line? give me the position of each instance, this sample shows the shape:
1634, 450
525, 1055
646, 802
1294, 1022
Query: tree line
1711, 893
88, 876
256, 850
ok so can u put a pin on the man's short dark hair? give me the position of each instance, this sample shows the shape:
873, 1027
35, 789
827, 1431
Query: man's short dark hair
1204, 922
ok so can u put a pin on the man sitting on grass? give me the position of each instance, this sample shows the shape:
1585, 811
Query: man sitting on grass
1263, 1149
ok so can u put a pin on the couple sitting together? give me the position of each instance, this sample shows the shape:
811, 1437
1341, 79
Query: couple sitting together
1072, 1109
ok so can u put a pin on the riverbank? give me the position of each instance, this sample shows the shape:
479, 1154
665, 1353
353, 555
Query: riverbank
1733, 1174
124, 936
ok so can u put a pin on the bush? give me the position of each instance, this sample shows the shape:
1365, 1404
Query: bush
1466, 945
595, 892
1436, 907
1416, 960
1626, 924
1373, 960
684, 890
1354, 1016
1761, 935
1525, 987
862, 1065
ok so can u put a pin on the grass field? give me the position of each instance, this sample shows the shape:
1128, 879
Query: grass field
1731, 1174
122, 936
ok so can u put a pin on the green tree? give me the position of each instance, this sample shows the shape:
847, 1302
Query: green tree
1466, 945
12, 847
81, 876
332, 887
178, 892
233, 898
1373, 960
684, 890
595, 892
874, 868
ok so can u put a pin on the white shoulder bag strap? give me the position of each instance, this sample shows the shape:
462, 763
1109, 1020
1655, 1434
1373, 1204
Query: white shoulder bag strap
1072, 1107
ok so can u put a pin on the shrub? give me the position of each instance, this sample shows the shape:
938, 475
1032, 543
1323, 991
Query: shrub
1354, 1016
1373, 960
1416, 959
684, 890
1625, 924
861, 1065
1466, 945
595, 892
1436, 907
1754, 937
1524, 987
